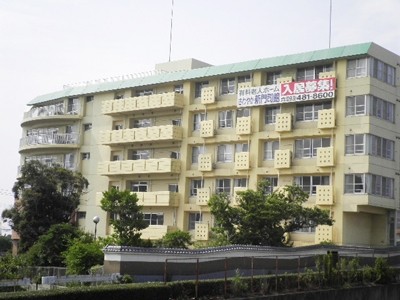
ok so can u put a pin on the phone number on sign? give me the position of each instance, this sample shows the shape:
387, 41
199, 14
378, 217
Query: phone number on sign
310, 96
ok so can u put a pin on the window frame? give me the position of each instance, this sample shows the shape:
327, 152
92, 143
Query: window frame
269, 149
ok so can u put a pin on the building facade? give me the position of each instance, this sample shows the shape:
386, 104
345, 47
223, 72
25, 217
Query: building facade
324, 120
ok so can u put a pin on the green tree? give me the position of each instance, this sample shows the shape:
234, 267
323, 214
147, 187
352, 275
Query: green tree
83, 254
5, 244
176, 239
48, 249
263, 218
128, 217
44, 196
10, 266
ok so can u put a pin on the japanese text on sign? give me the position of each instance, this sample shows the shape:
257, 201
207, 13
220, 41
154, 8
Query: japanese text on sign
287, 92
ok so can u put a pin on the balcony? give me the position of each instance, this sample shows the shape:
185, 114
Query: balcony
141, 166
283, 122
156, 232
55, 140
323, 233
201, 232
325, 157
207, 128
161, 198
283, 159
205, 162
367, 203
242, 161
142, 103
55, 112
324, 195
326, 118
136, 135
203, 195
243, 125
208, 95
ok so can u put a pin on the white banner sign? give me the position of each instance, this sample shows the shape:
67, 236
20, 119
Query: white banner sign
287, 92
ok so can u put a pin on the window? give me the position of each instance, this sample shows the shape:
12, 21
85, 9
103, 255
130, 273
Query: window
240, 182
244, 78
194, 218
355, 183
85, 155
146, 92
243, 112
357, 67
272, 77
154, 218
311, 73
309, 112
73, 106
81, 215
116, 157
87, 126
142, 123
381, 147
173, 188
225, 153
198, 87
270, 114
369, 144
370, 105
177, 122
382, 109
140, 154
89, 98
228, 86
241, 148
175, 155
225, 119
355, 144
272, 183
309, 183
383, 71
307, 148
194, 185
223, 186
178, 89
119, 95
139, 186
356, 105
369, 183
197, 118
269, 149
196, 151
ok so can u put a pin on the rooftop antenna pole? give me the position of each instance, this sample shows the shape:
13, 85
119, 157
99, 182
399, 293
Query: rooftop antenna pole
330, 22
170, 31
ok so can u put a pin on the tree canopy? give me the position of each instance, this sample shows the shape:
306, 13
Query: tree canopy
127, 219
263, 218
48, 249
45, 195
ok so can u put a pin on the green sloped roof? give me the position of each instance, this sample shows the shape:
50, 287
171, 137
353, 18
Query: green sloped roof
248, 66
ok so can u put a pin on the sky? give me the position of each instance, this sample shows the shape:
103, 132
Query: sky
45, 44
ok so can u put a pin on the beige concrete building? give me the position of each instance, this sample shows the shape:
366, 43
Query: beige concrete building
325, 120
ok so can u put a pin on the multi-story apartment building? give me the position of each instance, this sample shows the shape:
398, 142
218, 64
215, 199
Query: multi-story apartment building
324, 120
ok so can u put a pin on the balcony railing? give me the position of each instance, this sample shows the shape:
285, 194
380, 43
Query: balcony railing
55, 110
50, 139
156, 232
154, 101
141, 166
160, 198
154, 133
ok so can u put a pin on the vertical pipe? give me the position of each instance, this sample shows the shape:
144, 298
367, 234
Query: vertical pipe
197, 280
165, 271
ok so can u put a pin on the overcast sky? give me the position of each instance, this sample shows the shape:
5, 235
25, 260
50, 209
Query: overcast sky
45, 44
